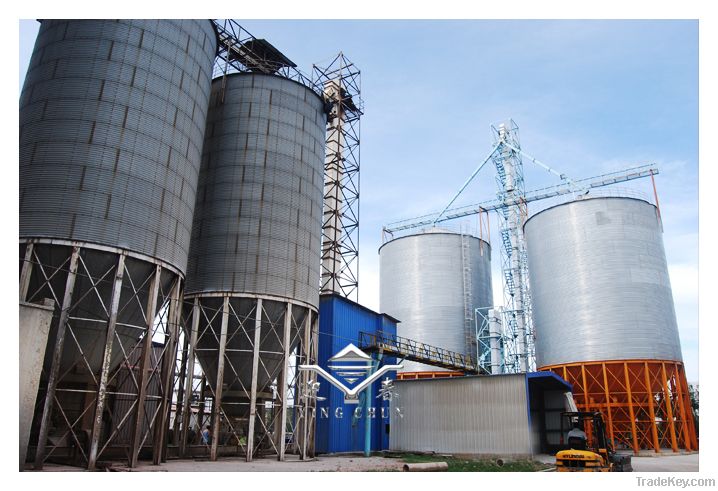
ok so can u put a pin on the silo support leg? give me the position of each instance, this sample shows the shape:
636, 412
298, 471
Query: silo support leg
313, 326
56, 357
217, 401
104, 375
181, 377
305, 379
651, 410
169, 370
608, 403
189, 383
26, 271
255, 368
282, 382
632, 415
681, 408
669, 409
145, 367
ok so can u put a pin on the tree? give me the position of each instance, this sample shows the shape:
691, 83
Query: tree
693, 391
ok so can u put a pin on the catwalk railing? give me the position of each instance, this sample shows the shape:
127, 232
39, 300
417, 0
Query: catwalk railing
412, 350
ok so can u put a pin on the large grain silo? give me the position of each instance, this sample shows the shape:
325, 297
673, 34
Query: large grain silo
432, 282
112, 119
253, 274
604, 317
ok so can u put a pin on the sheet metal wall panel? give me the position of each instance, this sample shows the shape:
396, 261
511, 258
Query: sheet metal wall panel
471, 415
554, 405
258, 218
112, 118
340, 322
421, 284
599, 281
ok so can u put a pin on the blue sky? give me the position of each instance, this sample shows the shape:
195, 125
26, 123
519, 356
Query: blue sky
589, 97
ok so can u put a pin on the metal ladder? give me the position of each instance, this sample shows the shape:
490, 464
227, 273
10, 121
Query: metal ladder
469, 328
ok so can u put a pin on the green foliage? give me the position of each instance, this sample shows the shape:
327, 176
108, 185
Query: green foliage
694, 392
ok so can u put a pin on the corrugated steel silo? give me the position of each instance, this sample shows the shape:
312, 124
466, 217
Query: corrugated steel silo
603, 314
256, 236
422, 279
112, 119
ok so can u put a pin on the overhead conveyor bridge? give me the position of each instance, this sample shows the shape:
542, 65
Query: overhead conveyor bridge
411, 350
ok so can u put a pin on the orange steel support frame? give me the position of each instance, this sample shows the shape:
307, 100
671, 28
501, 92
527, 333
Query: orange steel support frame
645, 403
424, 375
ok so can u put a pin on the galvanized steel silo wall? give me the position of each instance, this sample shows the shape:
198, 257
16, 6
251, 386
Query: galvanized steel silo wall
257, 225
599, 283
604, 318
422, 285
112, 118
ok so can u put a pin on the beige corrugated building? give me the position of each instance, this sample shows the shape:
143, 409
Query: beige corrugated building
508, 415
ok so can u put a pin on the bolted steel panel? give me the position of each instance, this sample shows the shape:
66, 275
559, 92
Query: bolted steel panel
422, 285
257, 225
599, 283
112, 118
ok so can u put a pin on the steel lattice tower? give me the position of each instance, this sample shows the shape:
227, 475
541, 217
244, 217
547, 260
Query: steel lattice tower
514, 265
341, 85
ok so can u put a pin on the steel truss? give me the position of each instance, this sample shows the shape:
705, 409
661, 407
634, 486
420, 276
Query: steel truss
514, 261
646, 403
511, 207
495, 353
242, 341
104, 390
340, 82
411, 350
238, 51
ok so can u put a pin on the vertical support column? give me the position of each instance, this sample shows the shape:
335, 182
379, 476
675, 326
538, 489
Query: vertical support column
589, 433
306, 345
56, 357
682, 409
202, 402
253, 390
608, 404
314, 349
669, 409
26, 271
217, 402
651, 410
689, 408
159, 449
189, 383
631, 414
282, 381
692, 435
145, 367
181, 377
105, 374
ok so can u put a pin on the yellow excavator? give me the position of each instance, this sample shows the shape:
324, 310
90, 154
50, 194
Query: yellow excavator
591, 454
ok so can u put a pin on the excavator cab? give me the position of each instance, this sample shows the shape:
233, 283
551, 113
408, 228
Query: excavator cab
593, 453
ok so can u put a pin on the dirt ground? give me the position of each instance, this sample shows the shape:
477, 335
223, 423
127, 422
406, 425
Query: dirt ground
357, 463
353, 463
291, 464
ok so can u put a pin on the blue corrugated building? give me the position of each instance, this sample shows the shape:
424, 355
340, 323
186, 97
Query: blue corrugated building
340, 322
